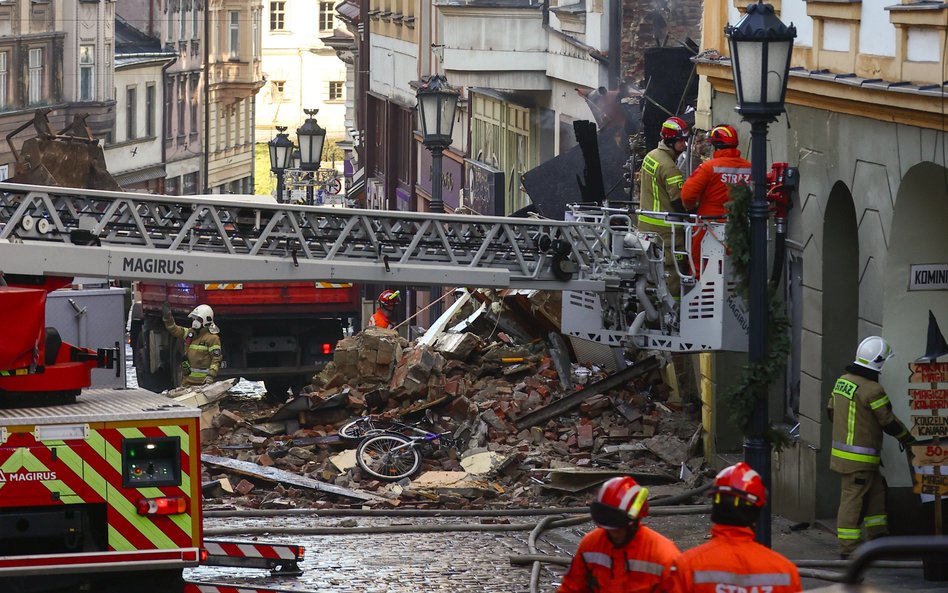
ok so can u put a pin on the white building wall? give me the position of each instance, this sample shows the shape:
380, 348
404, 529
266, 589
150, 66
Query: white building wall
394, 66
142, 151
876, 33
305, 65
794, 11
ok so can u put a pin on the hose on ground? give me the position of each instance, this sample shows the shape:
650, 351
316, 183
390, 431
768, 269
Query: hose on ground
467, 527
246, 513
532, 547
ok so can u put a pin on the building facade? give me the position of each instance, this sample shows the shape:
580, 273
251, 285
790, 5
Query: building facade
866, 108
135, 155
234, 77
301, 71
56, 55
180, 25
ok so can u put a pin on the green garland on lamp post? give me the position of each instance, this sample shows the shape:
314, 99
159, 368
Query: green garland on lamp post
754, 378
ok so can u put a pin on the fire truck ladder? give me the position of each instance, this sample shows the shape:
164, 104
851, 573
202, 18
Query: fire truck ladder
209, 239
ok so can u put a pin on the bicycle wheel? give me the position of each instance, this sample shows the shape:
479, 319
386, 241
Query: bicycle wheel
359, 428
388, 457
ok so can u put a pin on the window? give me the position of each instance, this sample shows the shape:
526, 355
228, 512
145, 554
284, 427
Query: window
233, 38
183, 20
326, 10
255, 34
335, 90
35, 95
150, 110
195, 85
277, 15
172, 186
3, 80
170, 27
86, 72
131, 109
190, 184
169, 98
278, 86
182, 93
195, 21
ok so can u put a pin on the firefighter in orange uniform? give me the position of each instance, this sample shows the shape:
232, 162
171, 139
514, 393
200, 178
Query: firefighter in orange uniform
620, 555
382, 317
732, 561
708, 189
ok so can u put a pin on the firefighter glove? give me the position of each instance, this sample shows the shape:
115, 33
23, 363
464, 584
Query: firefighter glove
186, 366
165, 309
208, 380
907, 439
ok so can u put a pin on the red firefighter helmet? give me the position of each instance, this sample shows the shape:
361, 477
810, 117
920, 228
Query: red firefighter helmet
742, 481
674, 128
620, 502
724, 136
389, 298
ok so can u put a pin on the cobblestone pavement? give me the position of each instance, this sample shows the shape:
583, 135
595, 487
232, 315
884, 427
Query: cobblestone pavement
479, 562
460, 562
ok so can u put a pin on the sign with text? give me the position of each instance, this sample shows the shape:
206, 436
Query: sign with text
928, 277
930, 426
928, 399
930, 484
929, 454
928, 372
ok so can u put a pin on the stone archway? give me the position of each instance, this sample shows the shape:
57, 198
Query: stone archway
918, 236
840, 319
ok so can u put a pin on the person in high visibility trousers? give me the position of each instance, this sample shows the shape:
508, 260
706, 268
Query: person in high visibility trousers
708, 190
860, 412
732, 561
620, 555
202, 345
382, 317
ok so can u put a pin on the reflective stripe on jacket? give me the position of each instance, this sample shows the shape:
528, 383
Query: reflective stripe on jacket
860, 409
637, 567
732, 562
202, 350
708, 189
661, 184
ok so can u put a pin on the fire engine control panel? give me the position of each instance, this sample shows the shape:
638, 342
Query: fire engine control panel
151, 462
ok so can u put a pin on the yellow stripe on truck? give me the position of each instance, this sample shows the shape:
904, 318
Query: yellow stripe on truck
224, 286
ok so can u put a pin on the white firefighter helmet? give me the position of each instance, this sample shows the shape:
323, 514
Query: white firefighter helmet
204, 314
872, 353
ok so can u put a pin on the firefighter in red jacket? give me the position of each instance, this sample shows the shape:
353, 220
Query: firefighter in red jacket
707, 191
620, 555
732, 562
382, 317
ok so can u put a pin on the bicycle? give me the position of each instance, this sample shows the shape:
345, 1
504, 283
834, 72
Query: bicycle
390, 456
362, 427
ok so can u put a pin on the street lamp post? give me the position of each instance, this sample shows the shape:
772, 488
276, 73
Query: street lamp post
761, 46
437, 103
281, 157
312, 139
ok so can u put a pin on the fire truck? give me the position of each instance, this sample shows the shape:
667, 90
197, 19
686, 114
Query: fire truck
105, 483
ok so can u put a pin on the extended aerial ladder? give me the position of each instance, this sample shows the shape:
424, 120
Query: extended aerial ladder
611, 274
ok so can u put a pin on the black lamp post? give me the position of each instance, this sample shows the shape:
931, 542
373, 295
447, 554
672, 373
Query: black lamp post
437, 103
761, 46
312, 139
281, 157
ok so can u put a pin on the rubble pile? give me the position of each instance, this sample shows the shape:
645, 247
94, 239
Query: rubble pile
491, 393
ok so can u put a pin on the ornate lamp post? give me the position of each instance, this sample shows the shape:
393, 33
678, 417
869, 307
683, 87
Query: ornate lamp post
761, 46
437, 103
312, 139
281, 157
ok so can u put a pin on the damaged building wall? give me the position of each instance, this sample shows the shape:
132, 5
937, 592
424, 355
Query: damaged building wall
651, 23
